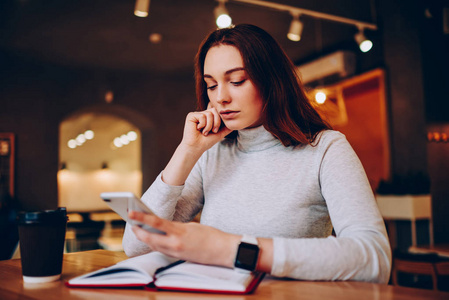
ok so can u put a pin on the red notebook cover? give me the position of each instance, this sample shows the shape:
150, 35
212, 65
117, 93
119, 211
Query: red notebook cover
152, 287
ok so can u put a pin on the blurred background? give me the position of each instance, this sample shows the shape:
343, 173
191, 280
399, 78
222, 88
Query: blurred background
93, 97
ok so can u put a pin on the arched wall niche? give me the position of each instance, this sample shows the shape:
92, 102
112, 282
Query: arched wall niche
99, 166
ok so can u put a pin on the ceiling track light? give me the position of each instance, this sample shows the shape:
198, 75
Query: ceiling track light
222, 18
365, 44
295, 31
142, 7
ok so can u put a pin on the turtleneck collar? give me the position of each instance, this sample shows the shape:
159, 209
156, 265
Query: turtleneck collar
255, 139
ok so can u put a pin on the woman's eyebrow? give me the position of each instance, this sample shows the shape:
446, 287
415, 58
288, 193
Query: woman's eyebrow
227, 72
234, 70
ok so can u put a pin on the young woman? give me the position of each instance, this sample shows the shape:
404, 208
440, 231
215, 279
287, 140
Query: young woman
270, 176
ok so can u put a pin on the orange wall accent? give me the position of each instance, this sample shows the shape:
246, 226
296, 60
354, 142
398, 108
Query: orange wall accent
365, 124
364, 129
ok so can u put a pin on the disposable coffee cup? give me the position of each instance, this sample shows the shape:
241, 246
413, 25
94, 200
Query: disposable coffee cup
41, 238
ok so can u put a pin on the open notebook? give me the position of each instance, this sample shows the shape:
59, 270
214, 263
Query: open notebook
156, 271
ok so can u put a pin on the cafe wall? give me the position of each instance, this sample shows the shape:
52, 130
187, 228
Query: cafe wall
438, 157
35, 97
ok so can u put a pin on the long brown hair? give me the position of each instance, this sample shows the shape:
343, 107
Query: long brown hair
287, 112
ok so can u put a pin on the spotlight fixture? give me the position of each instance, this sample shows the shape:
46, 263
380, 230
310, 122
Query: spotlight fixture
81, 139
89, 134
320, 97
72, 144
295, 31
141, 8
365, 44
222, 18
124, 139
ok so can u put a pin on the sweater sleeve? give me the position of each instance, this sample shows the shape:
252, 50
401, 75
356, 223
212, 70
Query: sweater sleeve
360, 250
177, 203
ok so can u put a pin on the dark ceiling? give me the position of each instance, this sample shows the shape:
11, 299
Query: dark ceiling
106, 34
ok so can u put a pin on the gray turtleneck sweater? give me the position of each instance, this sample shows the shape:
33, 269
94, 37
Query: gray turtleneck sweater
256, 186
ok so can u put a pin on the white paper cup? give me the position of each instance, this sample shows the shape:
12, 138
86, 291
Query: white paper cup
41, 279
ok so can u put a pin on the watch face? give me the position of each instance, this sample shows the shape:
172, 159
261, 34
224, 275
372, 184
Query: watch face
247, 255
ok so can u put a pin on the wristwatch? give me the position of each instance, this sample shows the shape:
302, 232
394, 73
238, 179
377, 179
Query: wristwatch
247, 254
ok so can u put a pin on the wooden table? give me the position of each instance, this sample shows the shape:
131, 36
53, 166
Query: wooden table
13, 287
440, 249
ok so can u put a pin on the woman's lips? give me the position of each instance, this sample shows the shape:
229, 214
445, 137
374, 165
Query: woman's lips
228, 114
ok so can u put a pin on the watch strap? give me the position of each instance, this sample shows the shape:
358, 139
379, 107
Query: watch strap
249, 239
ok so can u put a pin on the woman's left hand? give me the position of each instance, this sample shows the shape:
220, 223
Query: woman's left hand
187, 241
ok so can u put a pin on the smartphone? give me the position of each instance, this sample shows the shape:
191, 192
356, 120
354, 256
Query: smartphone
122, 202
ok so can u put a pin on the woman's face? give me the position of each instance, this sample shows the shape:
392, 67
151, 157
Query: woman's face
230, 90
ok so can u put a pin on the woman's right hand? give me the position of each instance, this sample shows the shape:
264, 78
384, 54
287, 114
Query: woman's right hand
203, 129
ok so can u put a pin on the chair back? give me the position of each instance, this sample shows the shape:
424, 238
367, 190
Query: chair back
417, 264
